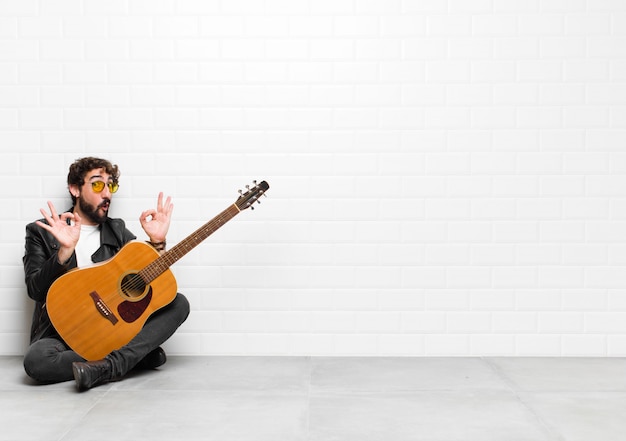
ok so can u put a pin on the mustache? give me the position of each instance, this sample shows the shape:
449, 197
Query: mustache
104, 203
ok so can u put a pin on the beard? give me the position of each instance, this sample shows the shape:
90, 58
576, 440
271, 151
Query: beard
93, 213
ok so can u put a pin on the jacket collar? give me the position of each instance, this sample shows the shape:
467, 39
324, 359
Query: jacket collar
110, 241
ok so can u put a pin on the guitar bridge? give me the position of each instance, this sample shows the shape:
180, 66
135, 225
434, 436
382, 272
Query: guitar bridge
102, 308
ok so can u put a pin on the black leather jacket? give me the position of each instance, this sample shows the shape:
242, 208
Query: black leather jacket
42, 268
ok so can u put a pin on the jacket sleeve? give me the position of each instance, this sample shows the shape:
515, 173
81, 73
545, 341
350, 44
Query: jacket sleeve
41, 266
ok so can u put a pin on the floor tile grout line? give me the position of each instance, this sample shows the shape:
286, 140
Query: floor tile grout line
515, 390
78, 421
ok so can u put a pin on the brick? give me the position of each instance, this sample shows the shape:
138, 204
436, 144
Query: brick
578, 344
468, 322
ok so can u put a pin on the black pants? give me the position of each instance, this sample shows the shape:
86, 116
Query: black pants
49, 360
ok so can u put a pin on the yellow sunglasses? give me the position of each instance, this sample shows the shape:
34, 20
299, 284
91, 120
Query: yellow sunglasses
98, 186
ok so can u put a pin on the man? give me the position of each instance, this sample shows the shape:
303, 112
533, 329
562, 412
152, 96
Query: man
80, 237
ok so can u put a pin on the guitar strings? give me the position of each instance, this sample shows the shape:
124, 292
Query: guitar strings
137, 282
156, 268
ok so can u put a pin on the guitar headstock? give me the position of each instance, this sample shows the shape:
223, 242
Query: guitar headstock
252, 195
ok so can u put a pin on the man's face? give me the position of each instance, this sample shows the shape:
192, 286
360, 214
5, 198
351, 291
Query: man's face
92, 203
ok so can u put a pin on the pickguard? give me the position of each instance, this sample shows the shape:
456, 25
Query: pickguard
131, 311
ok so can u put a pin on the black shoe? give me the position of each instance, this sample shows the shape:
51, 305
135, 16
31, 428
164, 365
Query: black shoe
153, 360
89, 374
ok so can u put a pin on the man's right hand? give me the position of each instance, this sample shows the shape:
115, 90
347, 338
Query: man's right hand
66, 233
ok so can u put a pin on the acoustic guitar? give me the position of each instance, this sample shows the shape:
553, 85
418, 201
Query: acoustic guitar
100, 308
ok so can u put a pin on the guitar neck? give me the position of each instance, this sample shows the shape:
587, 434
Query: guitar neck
167, 259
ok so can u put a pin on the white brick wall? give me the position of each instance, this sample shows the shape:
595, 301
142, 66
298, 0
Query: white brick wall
448, 177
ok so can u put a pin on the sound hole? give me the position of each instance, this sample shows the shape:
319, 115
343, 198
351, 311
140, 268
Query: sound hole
133, 286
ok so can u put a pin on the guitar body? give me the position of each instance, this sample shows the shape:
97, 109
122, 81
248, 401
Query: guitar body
101, 308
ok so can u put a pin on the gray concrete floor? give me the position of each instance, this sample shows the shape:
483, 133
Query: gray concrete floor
326, 399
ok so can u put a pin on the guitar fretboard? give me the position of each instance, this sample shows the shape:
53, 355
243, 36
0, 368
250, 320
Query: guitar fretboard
167, 259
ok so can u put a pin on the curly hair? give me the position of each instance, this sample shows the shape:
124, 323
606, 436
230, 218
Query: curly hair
82, 166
